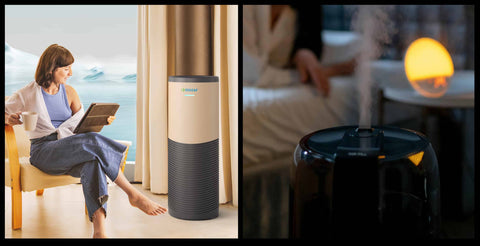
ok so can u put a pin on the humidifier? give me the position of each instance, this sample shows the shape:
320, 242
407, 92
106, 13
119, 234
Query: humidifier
193, 173
379, 182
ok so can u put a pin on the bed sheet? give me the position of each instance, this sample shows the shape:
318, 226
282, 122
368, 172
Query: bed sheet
275, 119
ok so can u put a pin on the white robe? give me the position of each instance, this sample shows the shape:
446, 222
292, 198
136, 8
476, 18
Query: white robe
30, 98
267, 51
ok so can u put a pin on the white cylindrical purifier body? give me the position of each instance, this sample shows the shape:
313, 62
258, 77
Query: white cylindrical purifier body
193, 145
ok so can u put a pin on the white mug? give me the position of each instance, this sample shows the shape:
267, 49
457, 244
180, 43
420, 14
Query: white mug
29, 120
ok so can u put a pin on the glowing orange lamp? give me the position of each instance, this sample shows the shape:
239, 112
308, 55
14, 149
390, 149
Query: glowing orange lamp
428, 66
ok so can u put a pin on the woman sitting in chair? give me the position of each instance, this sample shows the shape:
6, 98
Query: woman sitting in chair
56, 150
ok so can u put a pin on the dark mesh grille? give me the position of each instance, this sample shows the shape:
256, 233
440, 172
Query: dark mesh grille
193, 180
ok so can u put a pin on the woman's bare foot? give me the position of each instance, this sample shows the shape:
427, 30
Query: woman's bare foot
137, 199
146, 205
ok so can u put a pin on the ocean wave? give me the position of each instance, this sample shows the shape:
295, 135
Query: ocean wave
94, 74
15, 57
130, 77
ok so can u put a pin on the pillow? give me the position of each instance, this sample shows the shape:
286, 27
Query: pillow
339, 46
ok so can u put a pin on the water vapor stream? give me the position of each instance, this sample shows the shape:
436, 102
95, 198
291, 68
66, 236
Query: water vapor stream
373, 24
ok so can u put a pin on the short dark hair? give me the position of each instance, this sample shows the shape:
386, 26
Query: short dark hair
53, 57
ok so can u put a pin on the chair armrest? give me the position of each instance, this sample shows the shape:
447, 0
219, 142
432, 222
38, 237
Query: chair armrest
124, 142
128, 144
11, 145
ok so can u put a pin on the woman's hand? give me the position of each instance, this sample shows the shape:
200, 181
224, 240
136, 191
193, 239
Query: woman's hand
344, 68
310, 69
13, 119
110, 119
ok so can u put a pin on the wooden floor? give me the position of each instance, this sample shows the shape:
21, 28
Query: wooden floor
60, 213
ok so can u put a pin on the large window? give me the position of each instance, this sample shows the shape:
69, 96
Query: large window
101, 38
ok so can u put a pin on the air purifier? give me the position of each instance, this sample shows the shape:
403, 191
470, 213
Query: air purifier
193, 173
380, 182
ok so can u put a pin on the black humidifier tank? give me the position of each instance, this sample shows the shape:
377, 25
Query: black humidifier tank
372, 183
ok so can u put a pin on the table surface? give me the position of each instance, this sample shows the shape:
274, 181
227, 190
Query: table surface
460, 94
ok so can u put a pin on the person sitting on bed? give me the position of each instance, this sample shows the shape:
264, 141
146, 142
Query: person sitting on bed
56, 150
284, 36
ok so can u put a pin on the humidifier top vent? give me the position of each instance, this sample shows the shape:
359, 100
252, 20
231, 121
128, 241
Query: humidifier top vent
387, 142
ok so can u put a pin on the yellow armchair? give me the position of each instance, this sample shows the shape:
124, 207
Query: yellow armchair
20, 175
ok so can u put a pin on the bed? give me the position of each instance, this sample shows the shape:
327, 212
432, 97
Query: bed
274, 119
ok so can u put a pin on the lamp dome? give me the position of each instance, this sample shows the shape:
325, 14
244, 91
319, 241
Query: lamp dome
428, 67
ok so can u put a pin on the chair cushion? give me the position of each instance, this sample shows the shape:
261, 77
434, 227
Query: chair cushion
32, 178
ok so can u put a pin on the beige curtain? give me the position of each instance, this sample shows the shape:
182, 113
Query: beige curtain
159, 52
194, 40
